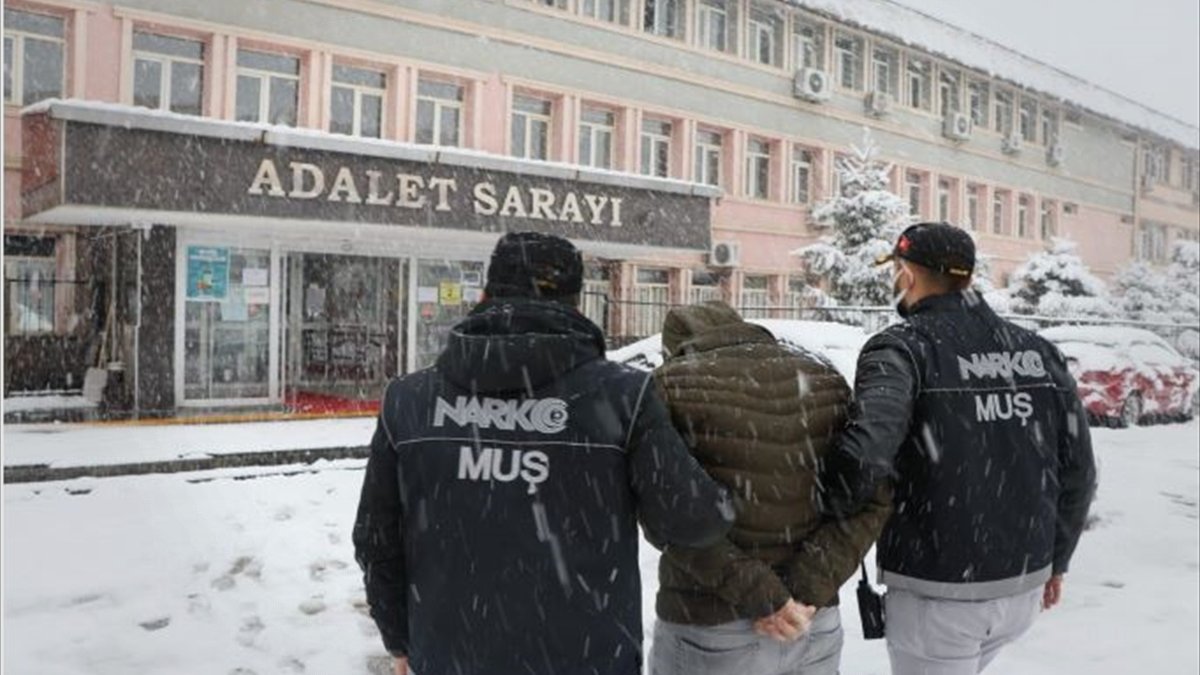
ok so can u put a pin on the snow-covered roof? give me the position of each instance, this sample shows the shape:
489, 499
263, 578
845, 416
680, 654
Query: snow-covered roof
916, 29
131, 117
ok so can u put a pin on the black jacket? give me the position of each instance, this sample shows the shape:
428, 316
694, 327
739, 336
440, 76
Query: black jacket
497, 527
978, 423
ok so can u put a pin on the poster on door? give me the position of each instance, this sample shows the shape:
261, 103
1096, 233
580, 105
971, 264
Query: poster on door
207, 273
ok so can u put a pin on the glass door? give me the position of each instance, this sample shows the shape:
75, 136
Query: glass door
343, 330
446, 290
227, 324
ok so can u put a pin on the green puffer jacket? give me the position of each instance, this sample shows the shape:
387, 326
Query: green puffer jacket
759, 417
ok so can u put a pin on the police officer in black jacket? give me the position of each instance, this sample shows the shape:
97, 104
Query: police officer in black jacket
977, 423
497, 527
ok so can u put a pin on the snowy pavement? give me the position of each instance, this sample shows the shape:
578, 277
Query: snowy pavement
201, 573
68, 445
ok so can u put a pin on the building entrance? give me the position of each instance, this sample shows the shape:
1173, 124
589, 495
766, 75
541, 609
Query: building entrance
343, 330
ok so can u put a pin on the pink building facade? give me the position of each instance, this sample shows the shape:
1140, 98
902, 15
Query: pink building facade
753, 99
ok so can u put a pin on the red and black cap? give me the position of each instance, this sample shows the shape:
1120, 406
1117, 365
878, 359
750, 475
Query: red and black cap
534, 265
939, 246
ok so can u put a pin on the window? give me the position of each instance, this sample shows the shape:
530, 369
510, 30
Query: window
356, 103
885, 70
1049, 226
596, 129
836, 175
656, 148
612, 11
974, 203
651, 295
597, 285
1191, 174
915, 184
1049, 125
1023, 216
34, 63
944, 199
663, 17
948, 91
1152, 245
439, 113
1029, 118
531, 127
808, 44
1155, 160
977, 102
705, 286
758, 168
268, 88
1002, 117
918, 77
849, 51
999, 212
168, 73
756, 297
764, 41
802, 175
556, 4
708, 157
29, 271
715, 20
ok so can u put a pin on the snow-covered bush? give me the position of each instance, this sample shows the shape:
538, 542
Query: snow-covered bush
1056, 282
1140, 293
1182, 281
864, 220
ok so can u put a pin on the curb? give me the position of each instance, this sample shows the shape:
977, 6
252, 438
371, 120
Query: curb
39, 473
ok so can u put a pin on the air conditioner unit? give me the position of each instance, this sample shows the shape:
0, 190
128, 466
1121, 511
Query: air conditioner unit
1012, 143
957, 126
878, 103
724, 254
811, 84
1055, 154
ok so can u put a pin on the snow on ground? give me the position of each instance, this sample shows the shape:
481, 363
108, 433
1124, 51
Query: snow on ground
60, 445
202, 573
32, 402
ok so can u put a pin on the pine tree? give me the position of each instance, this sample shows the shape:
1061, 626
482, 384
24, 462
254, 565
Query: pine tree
1182, 280
1056, 282
865, 219
1140, 293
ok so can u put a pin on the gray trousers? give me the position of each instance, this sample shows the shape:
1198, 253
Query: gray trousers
931, 636
735, 649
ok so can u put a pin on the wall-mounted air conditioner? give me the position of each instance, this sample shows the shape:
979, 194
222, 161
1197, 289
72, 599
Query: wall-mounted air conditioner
724, 254
957, 126
811, 84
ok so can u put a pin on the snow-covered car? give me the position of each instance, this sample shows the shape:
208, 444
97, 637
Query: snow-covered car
837, 343
1127, 376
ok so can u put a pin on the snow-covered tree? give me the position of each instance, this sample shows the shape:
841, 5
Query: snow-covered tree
864, 219
1140, 293
984, 287
1182, 281
1056, 282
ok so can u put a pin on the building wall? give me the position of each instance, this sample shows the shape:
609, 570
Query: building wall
497, 48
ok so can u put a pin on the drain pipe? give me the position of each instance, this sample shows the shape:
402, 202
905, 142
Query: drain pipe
142, 230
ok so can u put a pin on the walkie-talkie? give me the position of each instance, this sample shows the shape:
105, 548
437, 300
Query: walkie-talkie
870, 608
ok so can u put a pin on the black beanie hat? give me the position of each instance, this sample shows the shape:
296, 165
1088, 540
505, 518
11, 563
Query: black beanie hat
534, 265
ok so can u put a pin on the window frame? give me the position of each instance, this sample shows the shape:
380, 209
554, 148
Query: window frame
708, 9
18, 38
654, 10
803, 161
891, 62
704, 152
914, 187
949, 77
531, 118
165, 62
757, 167
1003, 111
840, 55
1028, 119
652, 140
945, 198
265, 78
773, 28
999, 214
802, 41
440, 104
620, 11
980, 114
359, 91
1024, 202
1048, 220
913, 67
593, 129
975, 194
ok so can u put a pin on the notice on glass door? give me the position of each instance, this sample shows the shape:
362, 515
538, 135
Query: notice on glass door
207, 273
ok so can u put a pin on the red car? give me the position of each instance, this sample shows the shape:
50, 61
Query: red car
1127, 375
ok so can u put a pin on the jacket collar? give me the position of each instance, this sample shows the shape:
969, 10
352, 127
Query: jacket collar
725, 335
518, 345
947, 302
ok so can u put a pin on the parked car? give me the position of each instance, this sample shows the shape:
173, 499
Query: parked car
837, 343
1127, 376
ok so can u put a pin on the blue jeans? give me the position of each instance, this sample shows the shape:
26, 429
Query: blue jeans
735, 649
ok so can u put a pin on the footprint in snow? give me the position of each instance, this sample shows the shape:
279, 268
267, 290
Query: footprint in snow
156, 624
312, 606
285, 513
249, 631
292, 664
318, 570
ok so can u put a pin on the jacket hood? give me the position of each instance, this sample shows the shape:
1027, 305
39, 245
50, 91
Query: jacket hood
710, 325
518, 345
